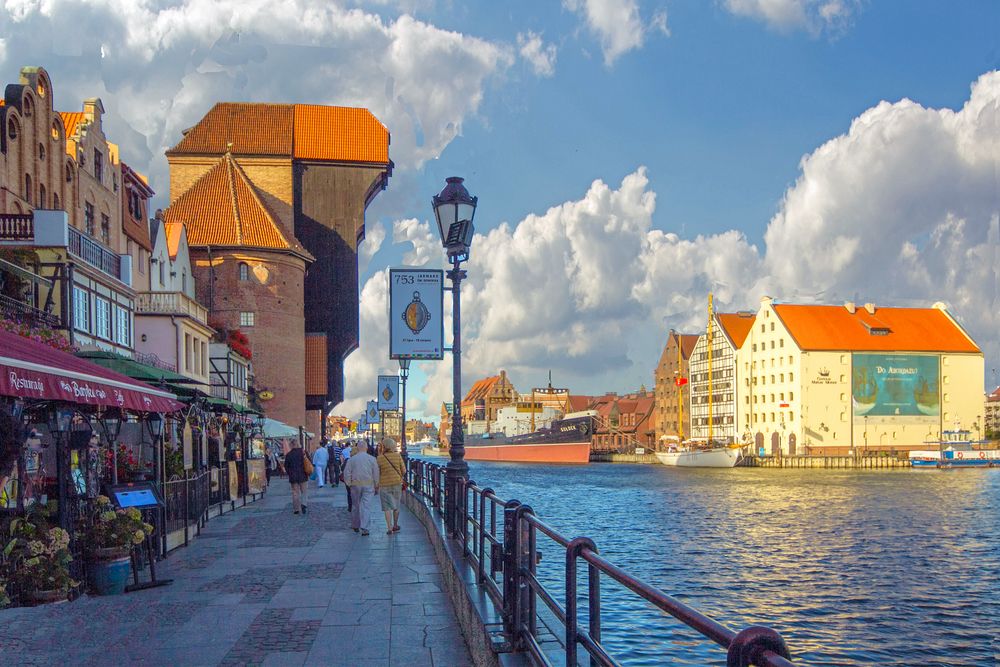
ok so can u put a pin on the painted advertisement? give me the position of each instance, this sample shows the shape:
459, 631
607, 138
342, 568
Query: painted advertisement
896, 385
388, 392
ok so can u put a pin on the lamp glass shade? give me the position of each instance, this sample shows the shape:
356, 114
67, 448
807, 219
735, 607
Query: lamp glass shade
155, 424
454, 204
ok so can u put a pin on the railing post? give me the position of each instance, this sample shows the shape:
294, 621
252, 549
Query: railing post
480, 577
594, 610
187, 507
749, 645
573, 550
463, 512
524, 556
509, 569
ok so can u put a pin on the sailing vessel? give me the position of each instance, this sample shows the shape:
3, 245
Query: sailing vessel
707, 454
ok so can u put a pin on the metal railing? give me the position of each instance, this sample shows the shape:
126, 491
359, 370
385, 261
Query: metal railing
504, 553
94, 253
173, 303
17, 227
153, 360
12, 309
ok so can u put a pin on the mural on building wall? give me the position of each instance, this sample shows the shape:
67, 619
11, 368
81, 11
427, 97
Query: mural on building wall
896, 385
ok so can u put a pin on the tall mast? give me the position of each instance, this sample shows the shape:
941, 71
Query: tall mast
709, 369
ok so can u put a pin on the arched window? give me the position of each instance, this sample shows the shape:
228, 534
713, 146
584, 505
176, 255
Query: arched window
26, 107
55, 131
244, 271
55, 201
41, 196
69, 172
28, 191
41, 151
12, 129
42, 86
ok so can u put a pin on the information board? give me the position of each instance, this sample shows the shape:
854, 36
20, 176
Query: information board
135, 494
416, 314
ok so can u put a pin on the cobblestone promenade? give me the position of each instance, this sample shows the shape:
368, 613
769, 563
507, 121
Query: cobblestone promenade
262, 586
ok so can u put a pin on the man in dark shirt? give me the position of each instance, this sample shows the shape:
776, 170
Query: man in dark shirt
296, 468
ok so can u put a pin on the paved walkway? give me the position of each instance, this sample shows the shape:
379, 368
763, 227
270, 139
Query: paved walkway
262, 586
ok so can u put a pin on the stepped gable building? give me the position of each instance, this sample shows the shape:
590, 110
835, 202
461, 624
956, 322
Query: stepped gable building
673, 365
484, 398
729, 331
268, 191
623, 422
831, 380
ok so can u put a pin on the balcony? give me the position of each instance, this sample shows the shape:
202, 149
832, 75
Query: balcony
51, 229
12, 309
170, 303
17, 227
94, 253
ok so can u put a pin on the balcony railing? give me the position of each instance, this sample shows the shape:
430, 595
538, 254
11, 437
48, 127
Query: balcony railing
170, 303
94, 253
154, 361
12, 309
17, 227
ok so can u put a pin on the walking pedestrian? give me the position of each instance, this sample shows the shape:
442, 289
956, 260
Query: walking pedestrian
295, 466
362, 474
329, 462
390, 465
348, 450
320, 458
336, 452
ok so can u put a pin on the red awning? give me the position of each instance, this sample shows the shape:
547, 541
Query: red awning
29, 369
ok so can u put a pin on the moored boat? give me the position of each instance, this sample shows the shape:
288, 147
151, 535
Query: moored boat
700, 457
565, 440
956, 450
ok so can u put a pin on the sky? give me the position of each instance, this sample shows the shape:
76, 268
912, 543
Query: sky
629, 156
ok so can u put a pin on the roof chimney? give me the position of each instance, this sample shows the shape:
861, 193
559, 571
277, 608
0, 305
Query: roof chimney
765, 299
851, 308
870, 308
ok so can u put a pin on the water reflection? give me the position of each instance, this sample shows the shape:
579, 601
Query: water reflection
886, 567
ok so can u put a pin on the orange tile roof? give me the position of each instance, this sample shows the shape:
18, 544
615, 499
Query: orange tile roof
341, 134
71, 121
303, 131
480, 389
578, 403
910, 329
223, 208
737, 326
241, 129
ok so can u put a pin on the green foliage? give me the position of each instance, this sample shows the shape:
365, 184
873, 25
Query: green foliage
111, 528
36, 555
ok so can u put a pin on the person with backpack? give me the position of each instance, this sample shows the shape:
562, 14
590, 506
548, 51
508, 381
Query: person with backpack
391, 476
299, 467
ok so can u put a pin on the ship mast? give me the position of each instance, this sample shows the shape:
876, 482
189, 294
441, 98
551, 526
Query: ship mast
546, 391
709, 334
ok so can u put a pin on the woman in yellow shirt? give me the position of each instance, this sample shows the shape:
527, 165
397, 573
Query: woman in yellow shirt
391, 469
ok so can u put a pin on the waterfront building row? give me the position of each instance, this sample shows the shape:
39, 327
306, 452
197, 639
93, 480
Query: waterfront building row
826, 380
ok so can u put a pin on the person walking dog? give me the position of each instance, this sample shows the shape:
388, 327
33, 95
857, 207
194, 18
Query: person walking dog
361, 474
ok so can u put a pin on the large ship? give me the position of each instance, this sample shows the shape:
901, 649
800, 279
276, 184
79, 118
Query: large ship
565, 440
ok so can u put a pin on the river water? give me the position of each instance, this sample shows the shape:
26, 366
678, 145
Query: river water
851, 567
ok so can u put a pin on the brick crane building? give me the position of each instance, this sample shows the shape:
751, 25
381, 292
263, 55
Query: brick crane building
274, 197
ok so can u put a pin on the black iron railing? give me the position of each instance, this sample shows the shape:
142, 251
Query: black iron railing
500, 541
12, 309
94, 253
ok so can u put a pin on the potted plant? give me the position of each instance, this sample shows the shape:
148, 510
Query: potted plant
109, 537
37, 560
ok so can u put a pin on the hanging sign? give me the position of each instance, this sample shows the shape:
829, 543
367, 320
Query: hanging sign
371, 413
416, 314
388, 392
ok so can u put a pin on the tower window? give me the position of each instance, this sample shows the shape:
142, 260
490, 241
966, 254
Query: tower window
244, 271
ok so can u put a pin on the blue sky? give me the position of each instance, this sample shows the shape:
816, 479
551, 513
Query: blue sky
629, 156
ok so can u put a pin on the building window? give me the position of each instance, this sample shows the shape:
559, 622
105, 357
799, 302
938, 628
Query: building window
41, 151
55, 131
188, 361
69, 172
163, 274
41, 196
184, 281
142, 261
102, 318
99, 165
28, 191
244, 271
88, 218
123, 327
106, 229
12, 129
246, 319
781, 342
791, 377
81, 309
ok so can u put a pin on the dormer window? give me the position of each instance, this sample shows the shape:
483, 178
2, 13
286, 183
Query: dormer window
875, 330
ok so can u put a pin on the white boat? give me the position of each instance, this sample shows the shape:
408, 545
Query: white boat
691, 457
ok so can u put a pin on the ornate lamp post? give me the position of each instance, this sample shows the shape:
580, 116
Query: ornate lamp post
454, 210
404, 373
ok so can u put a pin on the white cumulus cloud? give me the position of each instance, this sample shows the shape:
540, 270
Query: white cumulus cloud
541, 56
617, 24
813, 16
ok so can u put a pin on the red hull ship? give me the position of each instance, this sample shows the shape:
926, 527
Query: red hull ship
566, 441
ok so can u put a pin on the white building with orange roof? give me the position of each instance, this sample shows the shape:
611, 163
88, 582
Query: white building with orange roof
728, 331
832, 380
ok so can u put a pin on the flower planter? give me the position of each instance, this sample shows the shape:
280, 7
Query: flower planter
35, 598
108, 570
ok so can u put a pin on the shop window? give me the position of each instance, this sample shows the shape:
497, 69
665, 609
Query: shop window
247, 318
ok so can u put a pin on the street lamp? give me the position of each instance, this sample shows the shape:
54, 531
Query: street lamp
455, 210
404, 373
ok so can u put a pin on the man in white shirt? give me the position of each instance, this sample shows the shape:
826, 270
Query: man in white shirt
362, 474
319, 459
